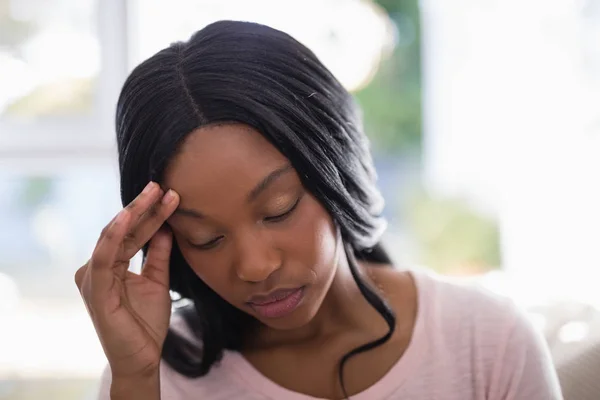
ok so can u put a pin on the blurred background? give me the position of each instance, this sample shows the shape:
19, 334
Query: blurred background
484, 120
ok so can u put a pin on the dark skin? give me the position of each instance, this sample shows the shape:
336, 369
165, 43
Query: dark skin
246, 225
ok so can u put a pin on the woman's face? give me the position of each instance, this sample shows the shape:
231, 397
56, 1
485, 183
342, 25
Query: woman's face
248, 227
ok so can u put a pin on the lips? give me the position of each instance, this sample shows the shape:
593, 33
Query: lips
278, 303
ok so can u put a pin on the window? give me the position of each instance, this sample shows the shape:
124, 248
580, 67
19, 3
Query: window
61, 65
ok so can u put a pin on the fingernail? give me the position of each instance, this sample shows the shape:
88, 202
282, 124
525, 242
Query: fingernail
168, 197
148, 187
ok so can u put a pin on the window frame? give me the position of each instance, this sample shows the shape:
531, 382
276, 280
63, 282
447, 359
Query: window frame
48, 143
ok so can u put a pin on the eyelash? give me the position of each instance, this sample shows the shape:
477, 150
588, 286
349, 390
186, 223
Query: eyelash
281, 217
274, 219
207, 246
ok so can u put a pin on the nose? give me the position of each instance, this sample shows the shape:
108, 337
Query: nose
257, 256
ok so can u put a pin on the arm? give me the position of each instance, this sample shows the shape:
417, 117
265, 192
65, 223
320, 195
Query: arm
146, 388
523, 369
143, 388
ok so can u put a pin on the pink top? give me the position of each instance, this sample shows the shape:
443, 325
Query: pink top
467, 344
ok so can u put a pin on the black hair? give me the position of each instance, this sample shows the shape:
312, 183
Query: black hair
241, 72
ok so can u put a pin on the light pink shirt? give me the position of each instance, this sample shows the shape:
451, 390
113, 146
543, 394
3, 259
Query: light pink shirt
467, 344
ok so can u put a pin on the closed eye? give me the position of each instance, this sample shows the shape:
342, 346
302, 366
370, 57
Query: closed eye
275, 218
282, 217
208, 245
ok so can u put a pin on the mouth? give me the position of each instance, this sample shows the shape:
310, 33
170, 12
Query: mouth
278, 303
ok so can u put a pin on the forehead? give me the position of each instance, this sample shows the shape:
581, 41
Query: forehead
222, 158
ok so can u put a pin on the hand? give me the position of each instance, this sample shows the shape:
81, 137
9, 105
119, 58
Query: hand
131, 312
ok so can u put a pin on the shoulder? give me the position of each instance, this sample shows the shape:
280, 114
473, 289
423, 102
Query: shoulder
488, 334
460, 304
462, 313
450, 306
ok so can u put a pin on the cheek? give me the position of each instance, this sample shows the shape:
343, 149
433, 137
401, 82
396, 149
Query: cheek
212, 272
315, 240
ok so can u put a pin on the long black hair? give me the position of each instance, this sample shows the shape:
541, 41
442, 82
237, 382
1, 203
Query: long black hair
248, 73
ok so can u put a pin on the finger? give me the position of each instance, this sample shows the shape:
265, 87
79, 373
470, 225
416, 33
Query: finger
80, 280
105, 255
150, 223
156, 267
79, 275
144, 201
138, 206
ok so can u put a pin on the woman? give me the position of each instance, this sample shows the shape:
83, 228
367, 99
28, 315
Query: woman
250, 188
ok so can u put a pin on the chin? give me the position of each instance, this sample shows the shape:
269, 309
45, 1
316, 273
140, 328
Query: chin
288, 323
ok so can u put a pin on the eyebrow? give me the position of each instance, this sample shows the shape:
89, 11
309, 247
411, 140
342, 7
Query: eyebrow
269, 179
254, 193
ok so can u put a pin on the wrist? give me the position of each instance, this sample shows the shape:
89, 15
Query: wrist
138, 387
